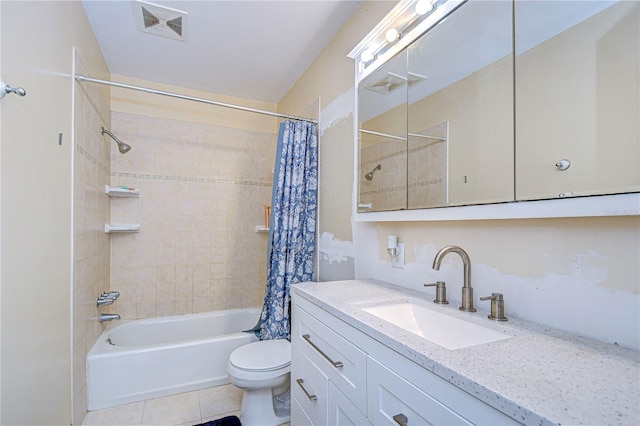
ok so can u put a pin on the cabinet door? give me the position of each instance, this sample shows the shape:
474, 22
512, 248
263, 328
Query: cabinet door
298, 416
341, 411
394, 401
577, 98
309, 389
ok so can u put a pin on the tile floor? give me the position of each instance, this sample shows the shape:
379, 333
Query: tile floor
184, 409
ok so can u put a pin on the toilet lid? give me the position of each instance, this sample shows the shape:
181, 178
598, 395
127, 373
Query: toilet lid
265, 355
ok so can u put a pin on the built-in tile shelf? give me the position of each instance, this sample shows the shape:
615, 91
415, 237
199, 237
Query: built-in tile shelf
110, 228
261, 228
121, 191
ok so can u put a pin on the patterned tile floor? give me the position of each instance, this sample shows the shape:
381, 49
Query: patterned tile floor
184, 409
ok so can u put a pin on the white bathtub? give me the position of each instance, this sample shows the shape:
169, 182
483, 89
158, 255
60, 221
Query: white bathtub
149, 358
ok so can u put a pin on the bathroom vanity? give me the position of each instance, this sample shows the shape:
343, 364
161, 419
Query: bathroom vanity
358, 357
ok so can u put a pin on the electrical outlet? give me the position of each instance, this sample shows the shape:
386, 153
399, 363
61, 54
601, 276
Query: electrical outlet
398, 261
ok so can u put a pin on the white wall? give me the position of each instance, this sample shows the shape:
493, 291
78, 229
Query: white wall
330, 78
576, 274
36, 197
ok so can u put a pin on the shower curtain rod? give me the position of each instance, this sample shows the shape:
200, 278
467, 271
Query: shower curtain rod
79, 77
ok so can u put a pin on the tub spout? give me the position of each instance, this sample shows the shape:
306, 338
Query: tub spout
109, 317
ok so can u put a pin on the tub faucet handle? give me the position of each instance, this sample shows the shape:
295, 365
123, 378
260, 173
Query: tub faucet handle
104, 301
107, 298
497, 306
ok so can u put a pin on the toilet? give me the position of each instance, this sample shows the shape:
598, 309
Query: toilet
262, 370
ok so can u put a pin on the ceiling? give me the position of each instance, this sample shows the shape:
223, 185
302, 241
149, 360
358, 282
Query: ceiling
251, 49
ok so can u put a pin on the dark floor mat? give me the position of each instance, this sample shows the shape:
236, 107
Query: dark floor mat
225, 421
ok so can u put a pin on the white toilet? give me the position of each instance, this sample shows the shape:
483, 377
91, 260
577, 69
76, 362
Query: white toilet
262, 369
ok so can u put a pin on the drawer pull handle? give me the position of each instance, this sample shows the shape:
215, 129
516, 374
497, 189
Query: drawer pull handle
401, 419
311, 397
336, 364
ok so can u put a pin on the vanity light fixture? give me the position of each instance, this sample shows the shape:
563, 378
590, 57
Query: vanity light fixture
425, 6
392, 35
367, 55
404, 24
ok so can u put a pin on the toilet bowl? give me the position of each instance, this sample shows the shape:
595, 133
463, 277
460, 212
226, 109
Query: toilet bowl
262, 371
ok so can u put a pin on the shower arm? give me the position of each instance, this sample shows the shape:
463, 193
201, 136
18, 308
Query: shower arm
112, 135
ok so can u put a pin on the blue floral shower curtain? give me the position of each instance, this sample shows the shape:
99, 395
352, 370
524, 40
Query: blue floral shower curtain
292, 237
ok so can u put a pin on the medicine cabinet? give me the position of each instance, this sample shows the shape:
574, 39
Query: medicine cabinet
485, 102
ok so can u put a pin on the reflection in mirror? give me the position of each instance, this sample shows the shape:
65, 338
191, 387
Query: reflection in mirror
382, 132
460, 110
577, 98
427, 171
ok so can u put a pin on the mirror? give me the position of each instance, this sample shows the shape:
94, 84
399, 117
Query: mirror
382, 115
573, 88
577, 98
461, 109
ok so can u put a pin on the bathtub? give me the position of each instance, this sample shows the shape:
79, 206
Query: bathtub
150, 358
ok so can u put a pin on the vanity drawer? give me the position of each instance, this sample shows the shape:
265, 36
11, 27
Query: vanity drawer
395, 401
309, 388
342, 362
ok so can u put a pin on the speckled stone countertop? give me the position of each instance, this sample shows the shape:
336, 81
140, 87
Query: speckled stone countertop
539, 376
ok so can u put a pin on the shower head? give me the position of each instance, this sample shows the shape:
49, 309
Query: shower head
122, 147
369, 176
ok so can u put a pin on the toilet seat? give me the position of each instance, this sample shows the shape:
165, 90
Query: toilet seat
266, 355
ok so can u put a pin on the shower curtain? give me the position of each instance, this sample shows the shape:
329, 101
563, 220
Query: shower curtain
292, 236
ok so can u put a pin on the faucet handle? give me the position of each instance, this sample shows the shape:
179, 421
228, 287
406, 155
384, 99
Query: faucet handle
441, 292
497, 306
104, 301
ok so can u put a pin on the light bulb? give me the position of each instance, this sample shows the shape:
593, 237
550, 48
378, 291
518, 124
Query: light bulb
366, 55
392, 35
424, 6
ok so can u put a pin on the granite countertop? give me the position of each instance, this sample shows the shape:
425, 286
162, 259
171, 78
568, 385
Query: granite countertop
539, 376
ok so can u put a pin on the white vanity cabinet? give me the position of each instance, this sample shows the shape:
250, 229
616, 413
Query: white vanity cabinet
357, 380
316, 348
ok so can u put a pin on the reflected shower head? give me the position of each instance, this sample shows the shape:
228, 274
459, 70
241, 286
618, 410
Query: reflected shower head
369, 176
122, 147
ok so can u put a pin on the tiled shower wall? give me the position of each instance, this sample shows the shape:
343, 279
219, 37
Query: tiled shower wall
387, 190
91, 211
203, 189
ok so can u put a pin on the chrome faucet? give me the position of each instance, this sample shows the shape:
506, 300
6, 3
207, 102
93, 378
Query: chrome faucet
107, 298
467, 290
109, 317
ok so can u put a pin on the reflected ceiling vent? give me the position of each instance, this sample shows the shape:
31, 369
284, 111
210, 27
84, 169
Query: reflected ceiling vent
392, 81
387, 84
160, 20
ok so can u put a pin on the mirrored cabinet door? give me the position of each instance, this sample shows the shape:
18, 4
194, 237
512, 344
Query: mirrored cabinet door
460, 102
577, 98
382, 116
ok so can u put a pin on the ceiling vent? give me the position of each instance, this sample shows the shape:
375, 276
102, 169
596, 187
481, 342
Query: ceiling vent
160, 20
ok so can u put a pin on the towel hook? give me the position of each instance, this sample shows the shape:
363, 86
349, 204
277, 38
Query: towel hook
5, 88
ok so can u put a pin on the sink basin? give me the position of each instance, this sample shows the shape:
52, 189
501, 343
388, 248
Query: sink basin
439, 328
